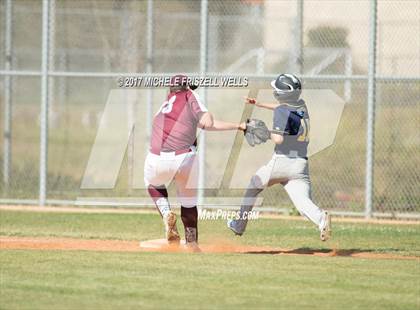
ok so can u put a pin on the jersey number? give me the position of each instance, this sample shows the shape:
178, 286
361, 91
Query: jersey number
304, 137
167, 105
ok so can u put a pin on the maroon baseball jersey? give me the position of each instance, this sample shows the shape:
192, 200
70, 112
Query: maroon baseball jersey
175, 124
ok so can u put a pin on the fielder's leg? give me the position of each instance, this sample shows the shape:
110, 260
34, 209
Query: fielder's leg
189, 218
186, 187
299, 191
160, 197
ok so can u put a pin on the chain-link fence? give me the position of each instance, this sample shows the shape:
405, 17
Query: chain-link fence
91, 43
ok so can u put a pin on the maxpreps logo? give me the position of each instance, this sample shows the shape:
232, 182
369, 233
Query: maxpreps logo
220, 214
122, 130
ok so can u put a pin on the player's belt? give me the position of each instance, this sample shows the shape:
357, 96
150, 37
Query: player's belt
177, 152
293, 155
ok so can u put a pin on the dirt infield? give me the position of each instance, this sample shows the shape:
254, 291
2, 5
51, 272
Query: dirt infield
31, 243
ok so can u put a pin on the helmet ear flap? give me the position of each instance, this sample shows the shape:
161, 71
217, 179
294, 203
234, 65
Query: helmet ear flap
290, 96
193, 86
277, 96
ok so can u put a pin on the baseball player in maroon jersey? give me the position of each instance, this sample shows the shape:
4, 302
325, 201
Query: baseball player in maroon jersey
172, 153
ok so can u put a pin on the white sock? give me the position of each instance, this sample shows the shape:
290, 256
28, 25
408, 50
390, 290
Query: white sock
163, 206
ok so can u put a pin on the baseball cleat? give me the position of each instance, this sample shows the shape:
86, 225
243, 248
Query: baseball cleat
231, 226
192, 247
326, 227
172, 234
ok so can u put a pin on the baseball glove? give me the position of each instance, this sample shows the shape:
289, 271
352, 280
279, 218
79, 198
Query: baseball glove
256, 132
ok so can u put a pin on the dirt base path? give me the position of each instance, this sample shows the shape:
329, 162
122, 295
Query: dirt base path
159, 245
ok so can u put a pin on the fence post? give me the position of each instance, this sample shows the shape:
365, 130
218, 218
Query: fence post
203, 95
371, 100
43, 158
299, 38
149, 70
348, 71
52, 108
260, 60
7, 156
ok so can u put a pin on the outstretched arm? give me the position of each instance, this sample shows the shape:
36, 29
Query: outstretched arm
222, 125
207, 122
270, 106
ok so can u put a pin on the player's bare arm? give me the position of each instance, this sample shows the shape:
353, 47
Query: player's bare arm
207, 122
222, 125
265, 105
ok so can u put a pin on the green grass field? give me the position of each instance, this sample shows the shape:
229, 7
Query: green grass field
40, 279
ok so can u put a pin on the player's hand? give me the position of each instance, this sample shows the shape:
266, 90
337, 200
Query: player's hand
242, 126
250, 100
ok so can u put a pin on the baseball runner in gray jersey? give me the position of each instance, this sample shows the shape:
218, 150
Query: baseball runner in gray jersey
289, 163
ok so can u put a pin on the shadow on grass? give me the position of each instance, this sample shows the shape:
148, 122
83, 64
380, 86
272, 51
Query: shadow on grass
311, 251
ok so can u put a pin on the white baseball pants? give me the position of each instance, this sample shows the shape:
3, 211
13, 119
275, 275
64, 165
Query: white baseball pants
293, 174
167, 167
